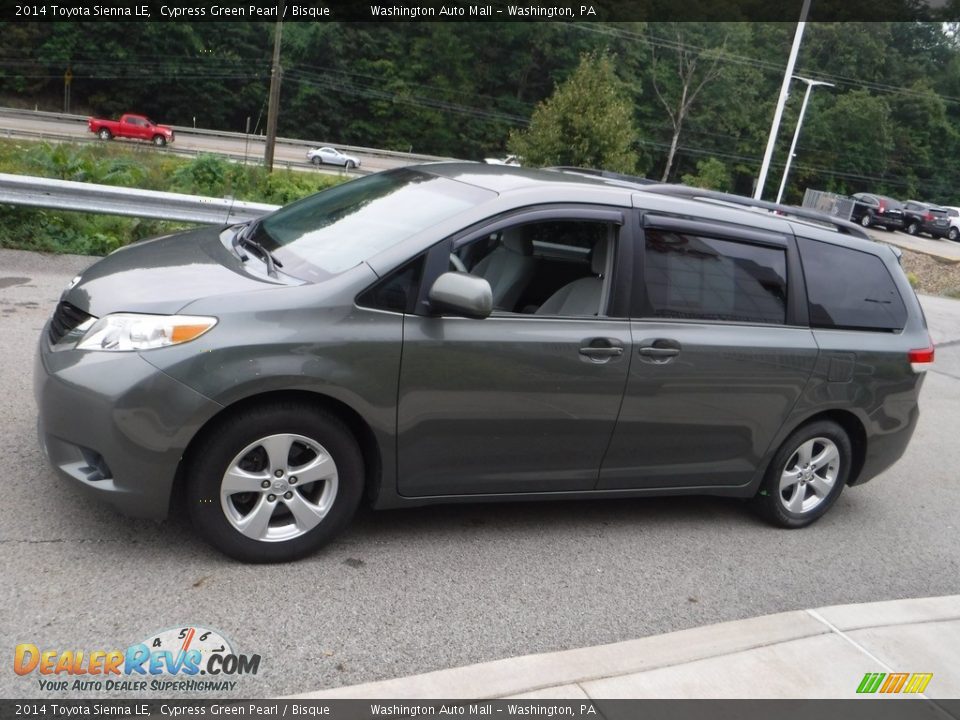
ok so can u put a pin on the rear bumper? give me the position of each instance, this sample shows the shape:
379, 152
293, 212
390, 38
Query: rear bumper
893, 223
937, 231
883, 450
115, 425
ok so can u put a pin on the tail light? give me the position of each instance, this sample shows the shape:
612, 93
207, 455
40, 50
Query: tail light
881, 208
921, 360
928, 217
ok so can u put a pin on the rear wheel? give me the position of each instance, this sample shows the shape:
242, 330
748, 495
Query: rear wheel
105, 134
806, 476
954, 234
274, 483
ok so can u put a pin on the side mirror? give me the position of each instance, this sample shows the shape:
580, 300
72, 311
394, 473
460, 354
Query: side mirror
461, 294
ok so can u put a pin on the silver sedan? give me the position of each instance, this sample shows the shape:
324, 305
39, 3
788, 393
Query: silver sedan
332, 156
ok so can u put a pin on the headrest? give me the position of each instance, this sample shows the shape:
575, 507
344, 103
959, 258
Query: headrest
598, 258
516, 241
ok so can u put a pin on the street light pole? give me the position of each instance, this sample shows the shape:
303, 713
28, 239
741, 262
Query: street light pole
781, 101
796, 133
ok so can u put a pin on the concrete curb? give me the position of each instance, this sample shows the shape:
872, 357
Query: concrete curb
948, 253
826, 638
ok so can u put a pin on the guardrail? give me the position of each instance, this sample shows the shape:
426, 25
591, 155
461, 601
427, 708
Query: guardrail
109, 200
246, 158
179, 129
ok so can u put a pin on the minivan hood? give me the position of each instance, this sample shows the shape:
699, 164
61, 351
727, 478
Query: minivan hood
162, 275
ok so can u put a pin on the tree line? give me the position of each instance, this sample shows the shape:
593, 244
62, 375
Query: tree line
698, 98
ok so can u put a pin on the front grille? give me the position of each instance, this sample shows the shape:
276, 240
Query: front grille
65, 318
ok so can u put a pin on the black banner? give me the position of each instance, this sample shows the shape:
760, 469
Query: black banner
865, 709
476, 11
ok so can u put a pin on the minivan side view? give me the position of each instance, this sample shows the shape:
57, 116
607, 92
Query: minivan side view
463, 332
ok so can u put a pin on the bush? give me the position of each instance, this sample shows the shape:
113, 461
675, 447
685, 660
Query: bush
131, 166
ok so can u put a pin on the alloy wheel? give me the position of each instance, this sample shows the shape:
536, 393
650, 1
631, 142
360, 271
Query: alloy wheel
809, 475
279, 487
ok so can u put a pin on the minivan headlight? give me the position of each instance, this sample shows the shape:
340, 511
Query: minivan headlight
122, 332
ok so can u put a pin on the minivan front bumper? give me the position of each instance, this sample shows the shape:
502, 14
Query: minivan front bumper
101, 425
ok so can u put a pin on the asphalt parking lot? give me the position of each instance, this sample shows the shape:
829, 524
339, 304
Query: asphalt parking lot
405, 592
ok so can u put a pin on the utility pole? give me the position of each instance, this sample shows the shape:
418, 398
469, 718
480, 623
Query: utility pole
796, 133
273, 107
782, 101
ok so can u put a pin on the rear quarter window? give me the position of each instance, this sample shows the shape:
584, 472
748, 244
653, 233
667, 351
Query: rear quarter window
850, 289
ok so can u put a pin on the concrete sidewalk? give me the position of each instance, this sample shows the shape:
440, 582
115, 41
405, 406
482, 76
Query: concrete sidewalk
822, 653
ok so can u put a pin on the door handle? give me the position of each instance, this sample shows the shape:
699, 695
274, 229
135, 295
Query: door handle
660, 349
600, 349
601, 352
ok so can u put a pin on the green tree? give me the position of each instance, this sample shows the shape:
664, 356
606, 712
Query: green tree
587, 122
712, 174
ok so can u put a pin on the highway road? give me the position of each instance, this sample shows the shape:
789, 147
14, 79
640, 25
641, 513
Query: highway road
410, 591
287, 153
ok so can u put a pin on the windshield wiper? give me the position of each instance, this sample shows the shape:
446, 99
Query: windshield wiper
244, 238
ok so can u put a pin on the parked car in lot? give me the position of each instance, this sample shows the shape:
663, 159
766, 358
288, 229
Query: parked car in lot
870, 210
921, 217
132, 127
507, 160
462, 332
953, 217
332, 156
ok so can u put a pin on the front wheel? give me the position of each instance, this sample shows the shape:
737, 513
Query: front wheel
954, 234
274, 483
913, 228
350, 165
865, 221
104, 134
159, 140
806, 476
316, 160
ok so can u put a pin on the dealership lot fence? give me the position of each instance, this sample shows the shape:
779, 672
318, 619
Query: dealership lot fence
838, 206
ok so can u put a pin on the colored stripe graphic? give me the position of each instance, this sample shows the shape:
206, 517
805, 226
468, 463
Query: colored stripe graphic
894, 682
870, 682
913, 683
918, 682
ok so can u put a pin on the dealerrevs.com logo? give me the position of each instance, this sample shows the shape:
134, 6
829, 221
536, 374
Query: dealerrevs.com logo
187, 659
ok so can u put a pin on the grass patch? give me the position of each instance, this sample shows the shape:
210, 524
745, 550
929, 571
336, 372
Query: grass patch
137, 167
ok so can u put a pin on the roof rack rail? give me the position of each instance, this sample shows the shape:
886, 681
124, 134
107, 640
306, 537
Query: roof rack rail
606, 174
685, 191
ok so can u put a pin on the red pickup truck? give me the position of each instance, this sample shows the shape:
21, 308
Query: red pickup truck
136, 127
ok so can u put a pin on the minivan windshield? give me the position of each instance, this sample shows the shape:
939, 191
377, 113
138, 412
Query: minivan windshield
336, 229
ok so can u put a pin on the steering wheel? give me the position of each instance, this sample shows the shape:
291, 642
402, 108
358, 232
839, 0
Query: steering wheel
457, 263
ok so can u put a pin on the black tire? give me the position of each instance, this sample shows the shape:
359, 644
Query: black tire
316, 160
953, 234
350, 165
913, 228
105, 134
867, 219
159, 140
219, 450
771, 502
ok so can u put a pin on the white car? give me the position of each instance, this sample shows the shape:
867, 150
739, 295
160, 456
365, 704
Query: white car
953, 216
332, 156
508, 160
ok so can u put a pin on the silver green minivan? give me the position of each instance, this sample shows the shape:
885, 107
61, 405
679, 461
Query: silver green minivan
461, 332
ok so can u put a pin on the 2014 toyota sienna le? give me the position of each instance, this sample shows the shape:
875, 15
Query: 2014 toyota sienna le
464, 332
